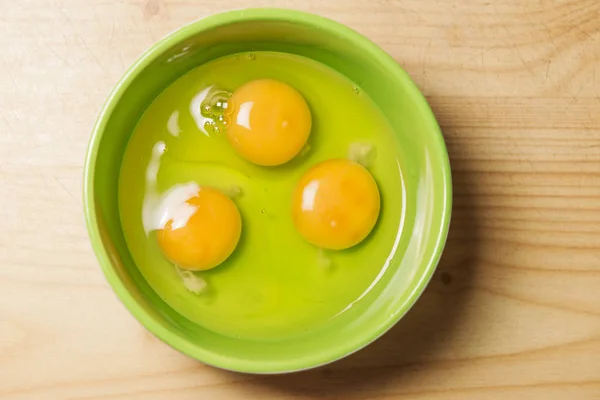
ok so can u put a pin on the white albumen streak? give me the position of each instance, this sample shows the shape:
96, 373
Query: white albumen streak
361, 153
158, 209
172, 205
191, 281
173, 124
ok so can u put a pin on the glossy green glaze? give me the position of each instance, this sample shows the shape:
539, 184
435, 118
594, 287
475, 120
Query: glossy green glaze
426, 174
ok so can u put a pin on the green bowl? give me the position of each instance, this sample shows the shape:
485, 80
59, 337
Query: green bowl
427, 180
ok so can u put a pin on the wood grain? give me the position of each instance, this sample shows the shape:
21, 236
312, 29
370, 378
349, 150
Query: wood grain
514, 310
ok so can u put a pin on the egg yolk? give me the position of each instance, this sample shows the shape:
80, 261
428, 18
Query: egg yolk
270, 122
208, 236
336, 204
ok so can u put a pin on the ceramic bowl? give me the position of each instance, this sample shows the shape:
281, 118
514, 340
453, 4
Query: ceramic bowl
427, 182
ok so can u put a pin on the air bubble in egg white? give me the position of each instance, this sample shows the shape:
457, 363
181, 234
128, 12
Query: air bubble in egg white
218, 102
223, 120
206, 110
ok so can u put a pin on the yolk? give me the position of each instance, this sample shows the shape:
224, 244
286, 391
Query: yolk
208, 237
336, 204
270, 122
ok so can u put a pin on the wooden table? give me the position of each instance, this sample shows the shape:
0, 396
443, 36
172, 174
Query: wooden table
514, 309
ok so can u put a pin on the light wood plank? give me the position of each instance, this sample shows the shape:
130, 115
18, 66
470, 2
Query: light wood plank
514, 310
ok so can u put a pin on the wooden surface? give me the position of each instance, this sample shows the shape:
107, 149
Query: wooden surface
514, 309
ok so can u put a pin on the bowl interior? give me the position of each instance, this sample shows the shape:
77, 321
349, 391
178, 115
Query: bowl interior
427, 181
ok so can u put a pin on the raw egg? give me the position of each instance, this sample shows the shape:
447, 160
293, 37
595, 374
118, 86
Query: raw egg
270, 122
201, 233
336, 204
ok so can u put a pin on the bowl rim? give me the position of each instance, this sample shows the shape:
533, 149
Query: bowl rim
133, 304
